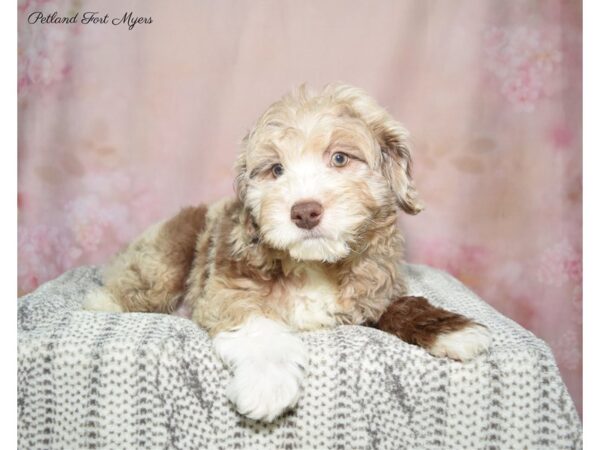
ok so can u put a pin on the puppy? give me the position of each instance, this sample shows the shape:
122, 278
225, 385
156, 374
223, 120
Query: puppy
311, 242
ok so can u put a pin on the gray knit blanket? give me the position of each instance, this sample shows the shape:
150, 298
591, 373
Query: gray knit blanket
124, 381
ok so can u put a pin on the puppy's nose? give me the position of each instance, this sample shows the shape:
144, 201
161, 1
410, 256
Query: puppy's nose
307, 215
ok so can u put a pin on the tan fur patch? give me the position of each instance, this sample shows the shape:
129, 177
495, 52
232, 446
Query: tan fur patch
177, 238
150, 274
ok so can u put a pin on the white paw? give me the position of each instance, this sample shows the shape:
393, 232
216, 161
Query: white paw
100, 300
268, 364
464, 344
263, 390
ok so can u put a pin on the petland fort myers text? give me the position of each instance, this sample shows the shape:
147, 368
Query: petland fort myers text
127, 19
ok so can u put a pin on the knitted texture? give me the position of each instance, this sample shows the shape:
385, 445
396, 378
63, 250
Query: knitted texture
136, 380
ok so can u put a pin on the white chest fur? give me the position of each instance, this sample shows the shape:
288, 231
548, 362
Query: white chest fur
312, 299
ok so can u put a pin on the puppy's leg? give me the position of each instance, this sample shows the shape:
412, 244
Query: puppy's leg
440, 332
268, 363
149, 275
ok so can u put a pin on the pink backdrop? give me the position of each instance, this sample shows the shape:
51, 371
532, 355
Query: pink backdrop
118, 128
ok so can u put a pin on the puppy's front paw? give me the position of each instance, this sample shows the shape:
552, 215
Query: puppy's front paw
463, 344
262, 390
268, 364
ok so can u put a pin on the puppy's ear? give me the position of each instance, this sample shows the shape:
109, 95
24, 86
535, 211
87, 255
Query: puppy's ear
396, 164
241, 171
392, 138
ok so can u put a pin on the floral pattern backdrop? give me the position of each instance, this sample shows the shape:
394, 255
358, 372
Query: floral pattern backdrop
120, 127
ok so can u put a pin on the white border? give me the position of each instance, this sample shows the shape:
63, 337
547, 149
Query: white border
591, 224
8, 222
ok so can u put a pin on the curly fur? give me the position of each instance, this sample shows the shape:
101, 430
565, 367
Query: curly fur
250, 275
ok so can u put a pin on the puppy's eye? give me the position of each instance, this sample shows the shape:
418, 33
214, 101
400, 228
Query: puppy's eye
277, 170
339, 159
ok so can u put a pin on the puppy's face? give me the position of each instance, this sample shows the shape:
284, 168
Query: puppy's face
320, 170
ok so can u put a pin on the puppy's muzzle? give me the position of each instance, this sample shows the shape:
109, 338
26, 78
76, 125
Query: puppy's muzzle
307, 214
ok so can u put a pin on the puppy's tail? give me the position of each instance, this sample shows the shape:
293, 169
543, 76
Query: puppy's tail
100, 299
